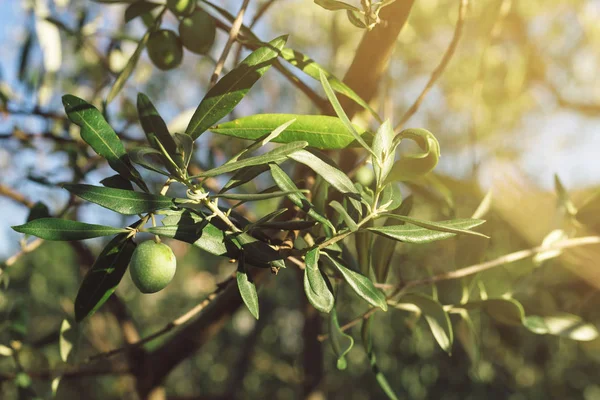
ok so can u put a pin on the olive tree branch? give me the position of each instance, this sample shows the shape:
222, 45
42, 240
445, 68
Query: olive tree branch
470, 270
437, 72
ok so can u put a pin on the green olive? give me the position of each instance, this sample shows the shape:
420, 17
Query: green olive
164, 49
198, 32
181, 8
152, 266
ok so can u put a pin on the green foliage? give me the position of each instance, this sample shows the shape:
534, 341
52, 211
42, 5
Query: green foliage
103, 277
64, 229
231, 89
247, 289
315, 223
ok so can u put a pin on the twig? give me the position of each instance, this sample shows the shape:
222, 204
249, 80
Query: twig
16, 196
471, 270
233, 32
259, 13
169, 327
462, 12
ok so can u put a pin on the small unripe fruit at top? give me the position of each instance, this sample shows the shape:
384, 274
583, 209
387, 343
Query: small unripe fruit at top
181, 8
152, 266
164, 49
198, 32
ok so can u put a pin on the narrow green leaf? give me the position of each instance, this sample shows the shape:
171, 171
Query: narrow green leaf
443, 226
39, 210
189, 227
122, 201
564, 199
65, 229
244, 175
417, 234
247, 289
368, 345
261, 141
253, 196
313, 69
350, 223
320, 131
332, 175
333, 5
436, 317
256, 252
337, 107
315, 286
391, 197
286, 184
410, 167
232, 88
117, 182
101, 137
104, 276
382, 258
139, 156
128, 69
276, 155
384, 149
340, 341
138, 8
506, 311
362, 285
184, 146
356, 19
294, 225
156, 130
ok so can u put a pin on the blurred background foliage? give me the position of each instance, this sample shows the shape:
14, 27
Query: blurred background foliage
518, 103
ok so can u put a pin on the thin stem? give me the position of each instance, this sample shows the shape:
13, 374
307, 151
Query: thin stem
233, 32
437, 72
169, 327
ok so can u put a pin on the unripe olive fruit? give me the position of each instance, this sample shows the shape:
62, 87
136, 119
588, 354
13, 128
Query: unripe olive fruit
181, 8
164, 49
197, 32
152, 266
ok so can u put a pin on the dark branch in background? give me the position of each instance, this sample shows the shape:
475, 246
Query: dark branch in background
437, 72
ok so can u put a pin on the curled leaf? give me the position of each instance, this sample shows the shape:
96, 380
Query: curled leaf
410, 167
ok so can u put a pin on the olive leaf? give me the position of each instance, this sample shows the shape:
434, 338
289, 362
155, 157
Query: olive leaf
315, 283
101, 137
65, 229
247, 288
410, 167
232, 88
102, 279
340, 341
